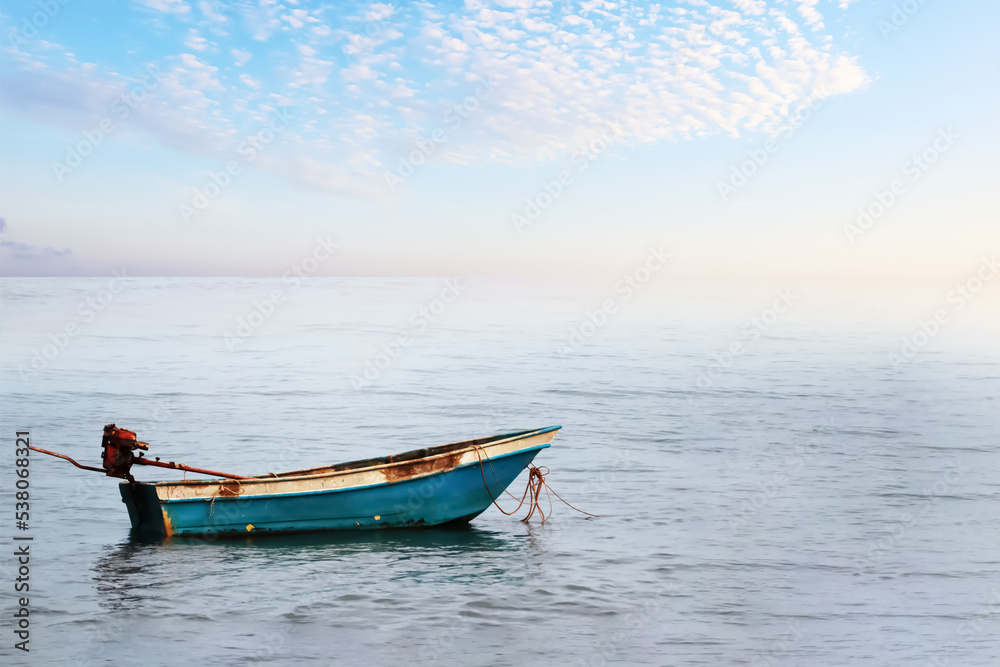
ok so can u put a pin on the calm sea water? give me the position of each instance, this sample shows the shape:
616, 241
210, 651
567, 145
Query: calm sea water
800, 502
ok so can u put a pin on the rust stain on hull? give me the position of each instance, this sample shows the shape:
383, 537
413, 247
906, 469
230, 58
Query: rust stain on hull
401, 471
167, 527
230, 489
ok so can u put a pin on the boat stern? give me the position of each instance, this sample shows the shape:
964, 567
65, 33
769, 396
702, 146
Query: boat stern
144, 509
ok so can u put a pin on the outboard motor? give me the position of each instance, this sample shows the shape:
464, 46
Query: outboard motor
117, 457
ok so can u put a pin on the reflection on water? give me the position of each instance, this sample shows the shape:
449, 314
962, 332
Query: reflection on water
119, 575
140, 570
459, 537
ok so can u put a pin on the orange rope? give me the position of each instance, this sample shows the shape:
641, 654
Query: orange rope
533, 490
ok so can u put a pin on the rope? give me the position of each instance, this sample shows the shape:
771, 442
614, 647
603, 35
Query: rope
211, 505
532, 492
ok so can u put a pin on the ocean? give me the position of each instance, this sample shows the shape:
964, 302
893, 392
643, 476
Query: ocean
783, 474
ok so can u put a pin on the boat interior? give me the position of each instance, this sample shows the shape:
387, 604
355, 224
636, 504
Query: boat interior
412, 455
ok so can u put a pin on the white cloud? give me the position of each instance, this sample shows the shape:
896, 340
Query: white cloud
312, 70
241, 57
263, 19
750, 7
366, 87
167, 6
250, 81
378, 12
213, 10
196, 41
807, 8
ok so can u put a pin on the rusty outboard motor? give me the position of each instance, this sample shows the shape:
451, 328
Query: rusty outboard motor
118, 445
117, 458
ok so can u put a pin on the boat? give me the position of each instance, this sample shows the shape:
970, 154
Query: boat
444, 485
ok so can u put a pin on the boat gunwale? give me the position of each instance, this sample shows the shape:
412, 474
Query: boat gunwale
362, 487
449, 449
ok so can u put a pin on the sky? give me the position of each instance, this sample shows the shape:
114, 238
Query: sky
838, 140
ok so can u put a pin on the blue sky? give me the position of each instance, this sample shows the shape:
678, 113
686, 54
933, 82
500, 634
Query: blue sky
222, 137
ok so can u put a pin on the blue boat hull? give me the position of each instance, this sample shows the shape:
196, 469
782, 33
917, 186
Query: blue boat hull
454, 495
